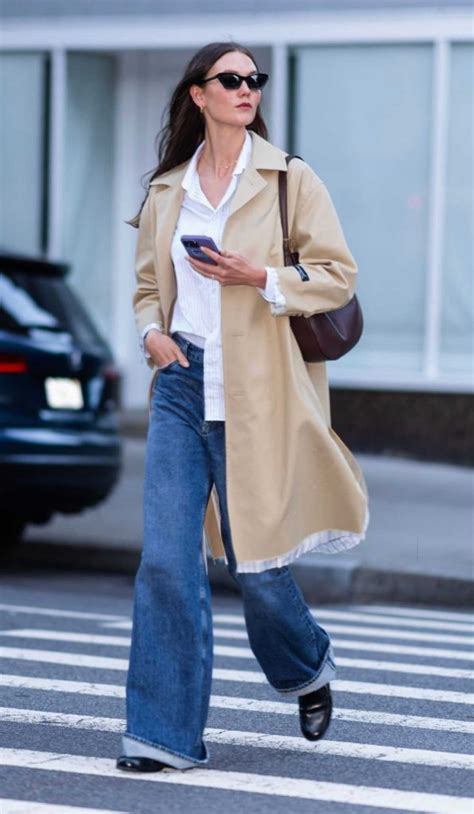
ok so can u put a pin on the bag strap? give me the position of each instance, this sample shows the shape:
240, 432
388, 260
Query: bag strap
290, 257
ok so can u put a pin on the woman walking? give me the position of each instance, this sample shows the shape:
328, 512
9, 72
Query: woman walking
239, 437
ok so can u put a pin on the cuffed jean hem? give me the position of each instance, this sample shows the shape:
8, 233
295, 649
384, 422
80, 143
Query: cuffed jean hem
134, 746
326, 673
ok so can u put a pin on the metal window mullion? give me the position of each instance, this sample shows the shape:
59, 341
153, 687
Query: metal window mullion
56, 151
436, 217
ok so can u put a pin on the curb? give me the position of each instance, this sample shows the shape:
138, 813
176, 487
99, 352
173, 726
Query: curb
346, 582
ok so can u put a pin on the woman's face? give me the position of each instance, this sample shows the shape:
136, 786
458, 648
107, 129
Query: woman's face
222, 105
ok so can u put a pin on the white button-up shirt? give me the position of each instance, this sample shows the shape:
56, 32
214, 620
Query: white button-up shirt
197, 310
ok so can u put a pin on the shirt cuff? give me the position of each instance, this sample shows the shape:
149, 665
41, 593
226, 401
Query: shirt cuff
272, 292
147, 328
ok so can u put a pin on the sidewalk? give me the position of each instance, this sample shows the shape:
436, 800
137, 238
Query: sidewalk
419, 546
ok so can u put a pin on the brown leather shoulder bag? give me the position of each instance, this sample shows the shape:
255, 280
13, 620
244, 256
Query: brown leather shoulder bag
328, 335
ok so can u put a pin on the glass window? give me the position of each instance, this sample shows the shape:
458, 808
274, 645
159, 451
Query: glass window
362, 119
88, 169
34, 304
22, 151
457, 306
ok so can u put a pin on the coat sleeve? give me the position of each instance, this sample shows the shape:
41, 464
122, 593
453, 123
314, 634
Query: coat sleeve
146, 297
325, 277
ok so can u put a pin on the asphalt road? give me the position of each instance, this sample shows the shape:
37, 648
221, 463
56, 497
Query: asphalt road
400, 739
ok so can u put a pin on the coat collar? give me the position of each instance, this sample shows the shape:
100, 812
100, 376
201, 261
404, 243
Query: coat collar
169, 188
265, 156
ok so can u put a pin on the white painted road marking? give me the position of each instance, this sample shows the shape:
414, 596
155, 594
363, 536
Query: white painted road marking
366, 613
350, 630
364, 618
261, 740
273, 785
110, 640
60, 613
109, 663
28, 807
247, 676
363, 636
414, 612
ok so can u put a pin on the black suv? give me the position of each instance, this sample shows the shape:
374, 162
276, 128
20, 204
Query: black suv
59, 446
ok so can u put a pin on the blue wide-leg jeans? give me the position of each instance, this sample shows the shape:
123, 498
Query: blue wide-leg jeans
170, 670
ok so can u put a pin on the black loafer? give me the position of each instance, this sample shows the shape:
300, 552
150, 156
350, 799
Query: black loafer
140, 764
315, 710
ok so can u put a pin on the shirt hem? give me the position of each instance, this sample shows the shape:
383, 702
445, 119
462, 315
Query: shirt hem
330, 541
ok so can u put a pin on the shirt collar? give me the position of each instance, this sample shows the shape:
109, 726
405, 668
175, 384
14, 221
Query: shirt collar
242, 161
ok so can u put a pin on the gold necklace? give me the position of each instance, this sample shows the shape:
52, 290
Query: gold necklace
221, 166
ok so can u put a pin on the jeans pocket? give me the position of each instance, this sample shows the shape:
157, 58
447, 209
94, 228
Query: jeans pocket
170, 365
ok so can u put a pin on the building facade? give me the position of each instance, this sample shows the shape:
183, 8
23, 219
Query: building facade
376, 96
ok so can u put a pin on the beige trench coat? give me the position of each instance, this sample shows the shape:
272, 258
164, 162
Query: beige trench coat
292, 484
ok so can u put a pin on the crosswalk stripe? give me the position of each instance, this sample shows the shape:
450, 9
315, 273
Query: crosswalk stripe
406, 625
38, 611
249, 704
405, 635
230, 633
405, 667
400, 649
261, 740
381, 647
58, 657
273, 785
364, 618
346, 749
62, 685
364, 664
110, 640
386, 619
245, 704
362, 687
367, 688
353, 630
109, 663
344, 714
8, 806
415, 613
432, 618
68, 636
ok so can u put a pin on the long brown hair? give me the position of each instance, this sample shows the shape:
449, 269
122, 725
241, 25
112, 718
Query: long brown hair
183, 130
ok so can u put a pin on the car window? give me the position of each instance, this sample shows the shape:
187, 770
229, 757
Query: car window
32, 303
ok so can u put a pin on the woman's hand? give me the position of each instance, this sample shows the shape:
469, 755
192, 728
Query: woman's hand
163, 350
232, 268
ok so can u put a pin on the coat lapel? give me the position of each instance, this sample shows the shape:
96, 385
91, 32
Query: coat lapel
265, 156
168, 205
250, 184
169, 197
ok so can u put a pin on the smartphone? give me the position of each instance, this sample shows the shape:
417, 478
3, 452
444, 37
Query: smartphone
192, 245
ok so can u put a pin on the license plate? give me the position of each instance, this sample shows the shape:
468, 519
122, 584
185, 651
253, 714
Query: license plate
64, 394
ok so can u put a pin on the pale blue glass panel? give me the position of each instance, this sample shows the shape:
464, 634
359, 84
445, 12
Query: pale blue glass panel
22, 92
88, 180
363, 121
457, 309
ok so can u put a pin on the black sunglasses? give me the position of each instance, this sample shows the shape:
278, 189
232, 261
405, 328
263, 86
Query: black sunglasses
232, 81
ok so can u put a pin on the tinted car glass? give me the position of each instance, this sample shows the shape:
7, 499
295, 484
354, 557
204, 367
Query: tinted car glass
32, 301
